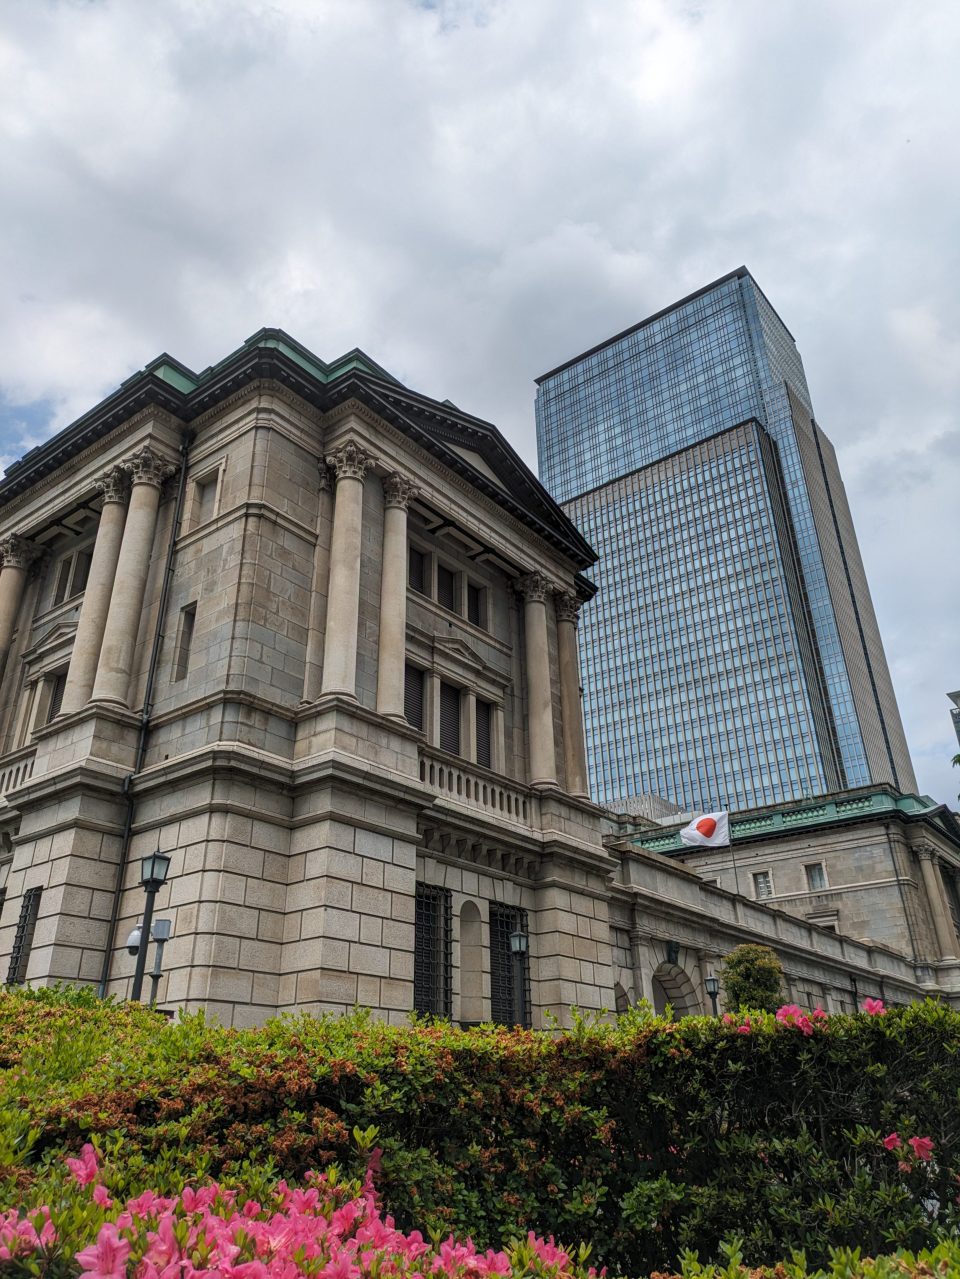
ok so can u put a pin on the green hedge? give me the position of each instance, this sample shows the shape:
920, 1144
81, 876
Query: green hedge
643, 1138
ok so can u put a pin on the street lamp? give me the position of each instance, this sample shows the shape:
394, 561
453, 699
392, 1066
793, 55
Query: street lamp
153, 876
519, 946
712, 984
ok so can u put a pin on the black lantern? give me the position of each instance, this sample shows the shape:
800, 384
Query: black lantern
153, 876
712, 984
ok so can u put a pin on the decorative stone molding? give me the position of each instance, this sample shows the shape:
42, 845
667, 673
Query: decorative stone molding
534, 588
114, 485
568, 607
926, 852
349, 461
17, 552
147, 467
398, 491
324, 477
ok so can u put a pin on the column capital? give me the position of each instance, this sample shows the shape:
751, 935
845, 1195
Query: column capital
17, 552
926, 852
568, 606
114, 485
398, 490
147, 467
349, 461
533, 587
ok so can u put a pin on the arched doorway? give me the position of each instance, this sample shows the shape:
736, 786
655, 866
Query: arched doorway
672, 986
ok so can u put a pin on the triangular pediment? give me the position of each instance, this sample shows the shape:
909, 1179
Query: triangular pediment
458, 652
53, 637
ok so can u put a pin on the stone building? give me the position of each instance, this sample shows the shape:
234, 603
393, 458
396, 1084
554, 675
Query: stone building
313, 635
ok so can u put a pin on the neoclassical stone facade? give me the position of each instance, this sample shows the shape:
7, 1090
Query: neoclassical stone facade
313, 635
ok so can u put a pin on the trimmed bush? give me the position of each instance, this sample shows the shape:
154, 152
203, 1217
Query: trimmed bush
752, 978
642, 1138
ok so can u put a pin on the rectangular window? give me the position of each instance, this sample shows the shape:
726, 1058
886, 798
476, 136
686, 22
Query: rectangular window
23, 938
476, 605
181, 660
509, 966
81, 571
205, 499
484, 721
417, 571
72, 573
450, 719
432, 951
816, 877
446, 587
55, 686
63, 581
762, 884
413, 696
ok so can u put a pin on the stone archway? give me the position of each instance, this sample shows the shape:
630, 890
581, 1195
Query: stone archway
672, 985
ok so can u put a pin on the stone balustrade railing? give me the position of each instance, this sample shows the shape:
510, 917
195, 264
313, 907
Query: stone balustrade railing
477, 789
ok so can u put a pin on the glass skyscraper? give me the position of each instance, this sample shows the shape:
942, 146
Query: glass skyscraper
732, 656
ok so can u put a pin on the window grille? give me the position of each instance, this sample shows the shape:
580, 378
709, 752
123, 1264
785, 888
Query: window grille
446, 587
432, 984
484, 717
474, 604
509, 973
23, 938
762, 884
413, 696
450, 719
417, 570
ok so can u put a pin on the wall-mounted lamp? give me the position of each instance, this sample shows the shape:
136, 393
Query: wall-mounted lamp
712, 984
153, 875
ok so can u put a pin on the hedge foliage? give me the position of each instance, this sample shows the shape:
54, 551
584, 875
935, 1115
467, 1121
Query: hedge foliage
643, 1138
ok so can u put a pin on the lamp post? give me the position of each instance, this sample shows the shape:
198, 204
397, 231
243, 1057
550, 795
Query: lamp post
153, 876
519, 944
712, 984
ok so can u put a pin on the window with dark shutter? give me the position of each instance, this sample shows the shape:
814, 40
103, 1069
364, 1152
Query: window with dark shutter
432, 947
413, 696
57, 685
63, 580
417, 570
446, 587
81, 572
23, 938
476, 605
484, 717
509, 972
450, 719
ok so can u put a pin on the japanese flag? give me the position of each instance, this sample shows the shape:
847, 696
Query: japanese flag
712, 830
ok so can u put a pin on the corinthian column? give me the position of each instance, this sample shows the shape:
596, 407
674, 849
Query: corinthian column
16, 556
147, 472
99, 588
391, 656
349, 464
574, 752
936, 895
543, 755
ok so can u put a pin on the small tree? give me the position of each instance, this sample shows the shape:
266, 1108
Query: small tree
752, 978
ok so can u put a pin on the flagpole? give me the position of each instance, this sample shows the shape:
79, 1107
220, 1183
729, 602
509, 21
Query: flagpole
733, 858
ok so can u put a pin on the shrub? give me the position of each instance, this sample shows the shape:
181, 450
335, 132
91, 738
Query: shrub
642, 1137
752, 978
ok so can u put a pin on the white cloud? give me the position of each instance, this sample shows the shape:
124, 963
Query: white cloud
476, 191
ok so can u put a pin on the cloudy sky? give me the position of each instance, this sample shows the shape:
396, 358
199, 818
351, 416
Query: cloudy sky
475, 190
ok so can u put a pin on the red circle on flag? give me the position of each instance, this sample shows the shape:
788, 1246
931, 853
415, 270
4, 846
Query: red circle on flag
706, 826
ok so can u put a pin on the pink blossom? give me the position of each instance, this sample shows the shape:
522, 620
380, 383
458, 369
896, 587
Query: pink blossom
819, 1015
107, 1258
85, 1168
922, 1147
101, 1197
892, 1141
874, 1007
904, 1166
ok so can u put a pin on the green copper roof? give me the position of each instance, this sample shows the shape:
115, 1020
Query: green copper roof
853, 806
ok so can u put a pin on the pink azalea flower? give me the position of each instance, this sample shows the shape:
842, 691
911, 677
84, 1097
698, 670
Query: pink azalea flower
85, 1168
874, 1007
819, 1015
892, 1141
101, 1197
922, 1148
107, 1258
